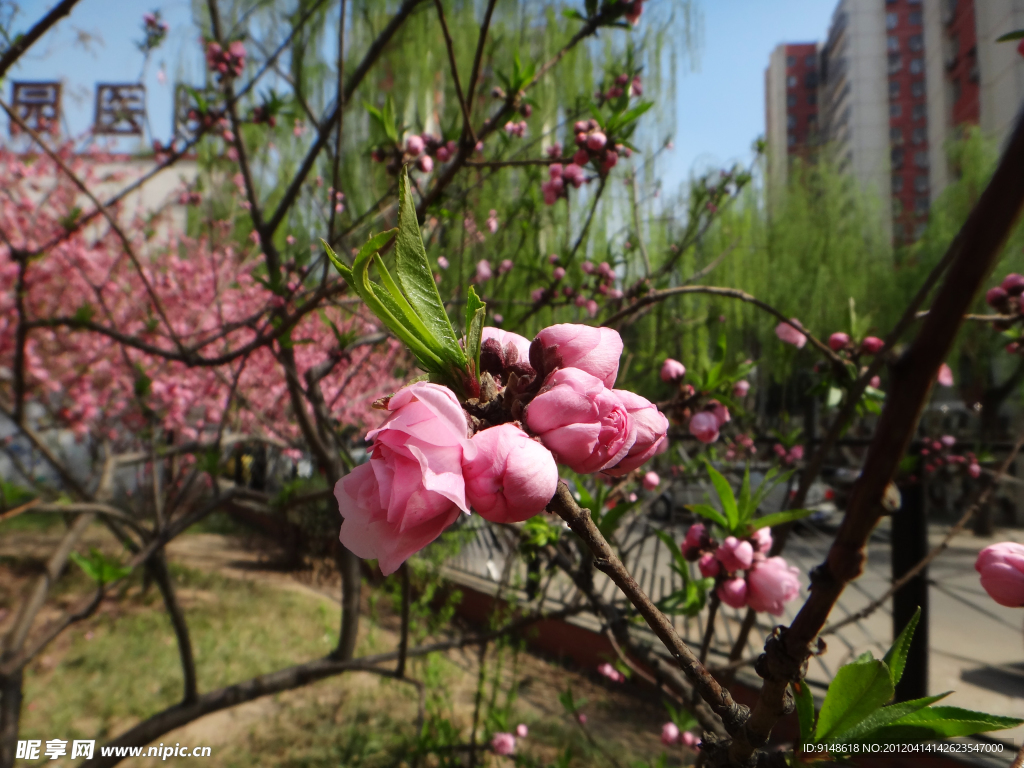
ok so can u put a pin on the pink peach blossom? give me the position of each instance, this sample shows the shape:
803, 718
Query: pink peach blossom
945, 377
412, 488
669, 734
585, 425
735, 554
740, 389
704, 426
791, 335
671, 370
733, 592
651, 432
772, 583
709, 565
503, 743
651, 481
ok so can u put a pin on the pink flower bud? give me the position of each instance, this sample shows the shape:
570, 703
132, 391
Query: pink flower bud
536, 295
442, 262
596, 141
593, 350
708, 565
414, 145
740, 389
581, 157
871, 345
689, 740
1002, 573
555, 170
581, 422
581, 139
425, 163
695, 537
733, 592
995, 297
945, 376
1013, 284
651, 481
791, 335
573, 174
611, 159
974, 470
762, 540
522, 731
672, 370
948, 440
559, 273
772, 583
509, 477
704, 426
587, 267
483, 271
876, 382
720, 412
837, 341
735, 555
505, 266
503, 743
669, 734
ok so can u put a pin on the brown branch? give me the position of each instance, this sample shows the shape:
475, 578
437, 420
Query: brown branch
157, 565
403, 643
23, 42
971, 257
287, 679
340, 98
581, 523
937, 550
467, 126
474, 74
731, 293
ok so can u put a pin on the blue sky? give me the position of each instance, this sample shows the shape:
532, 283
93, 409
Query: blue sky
721, 103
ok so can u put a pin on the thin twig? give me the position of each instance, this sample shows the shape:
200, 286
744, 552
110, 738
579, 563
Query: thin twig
467, 125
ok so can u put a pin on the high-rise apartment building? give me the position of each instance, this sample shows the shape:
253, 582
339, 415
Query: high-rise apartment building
896, 78
791, 106
972, 79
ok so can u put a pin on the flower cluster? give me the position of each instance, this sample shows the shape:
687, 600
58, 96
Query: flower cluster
594, 147
741, 448
939, 453
624, 84
434, 457
743, 572
559, 179
155, 29
671, 735
516, 129
790, 456
611, 673
226, 62
421, 149
505, 743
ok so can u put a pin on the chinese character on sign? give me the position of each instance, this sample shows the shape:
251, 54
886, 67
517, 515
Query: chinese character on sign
28, 750
82, 749
37, 105
120, 109
56, 748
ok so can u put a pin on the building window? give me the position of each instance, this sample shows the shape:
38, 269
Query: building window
916, 66
914, 18
811, 80
897, 184
895, 110
921, 159
895, 63
893, 43
791, 140
790, 121
919, 112
892, 20
918, 136
921, 183
916, 43
917, 89
896, 136
791, 81
921, 206
894, 89
811, 60
812, 98
897, 159
956, 89
791, 100
791, 61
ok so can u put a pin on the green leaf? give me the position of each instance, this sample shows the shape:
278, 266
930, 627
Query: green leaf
746, 510
804, 710
476, 311
673, 547
610, 520
726, 497
591, 6
934, 723
388, 121
417, 280
885, 716
99, 568
896, 656
85, 313
709, 513
835, 396
572, 13
1017, 34
856, 691
778, 518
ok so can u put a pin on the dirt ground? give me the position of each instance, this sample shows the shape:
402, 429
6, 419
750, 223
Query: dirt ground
279, 617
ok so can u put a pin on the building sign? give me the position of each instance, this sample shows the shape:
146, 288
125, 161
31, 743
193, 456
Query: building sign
37, 105
120, 109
